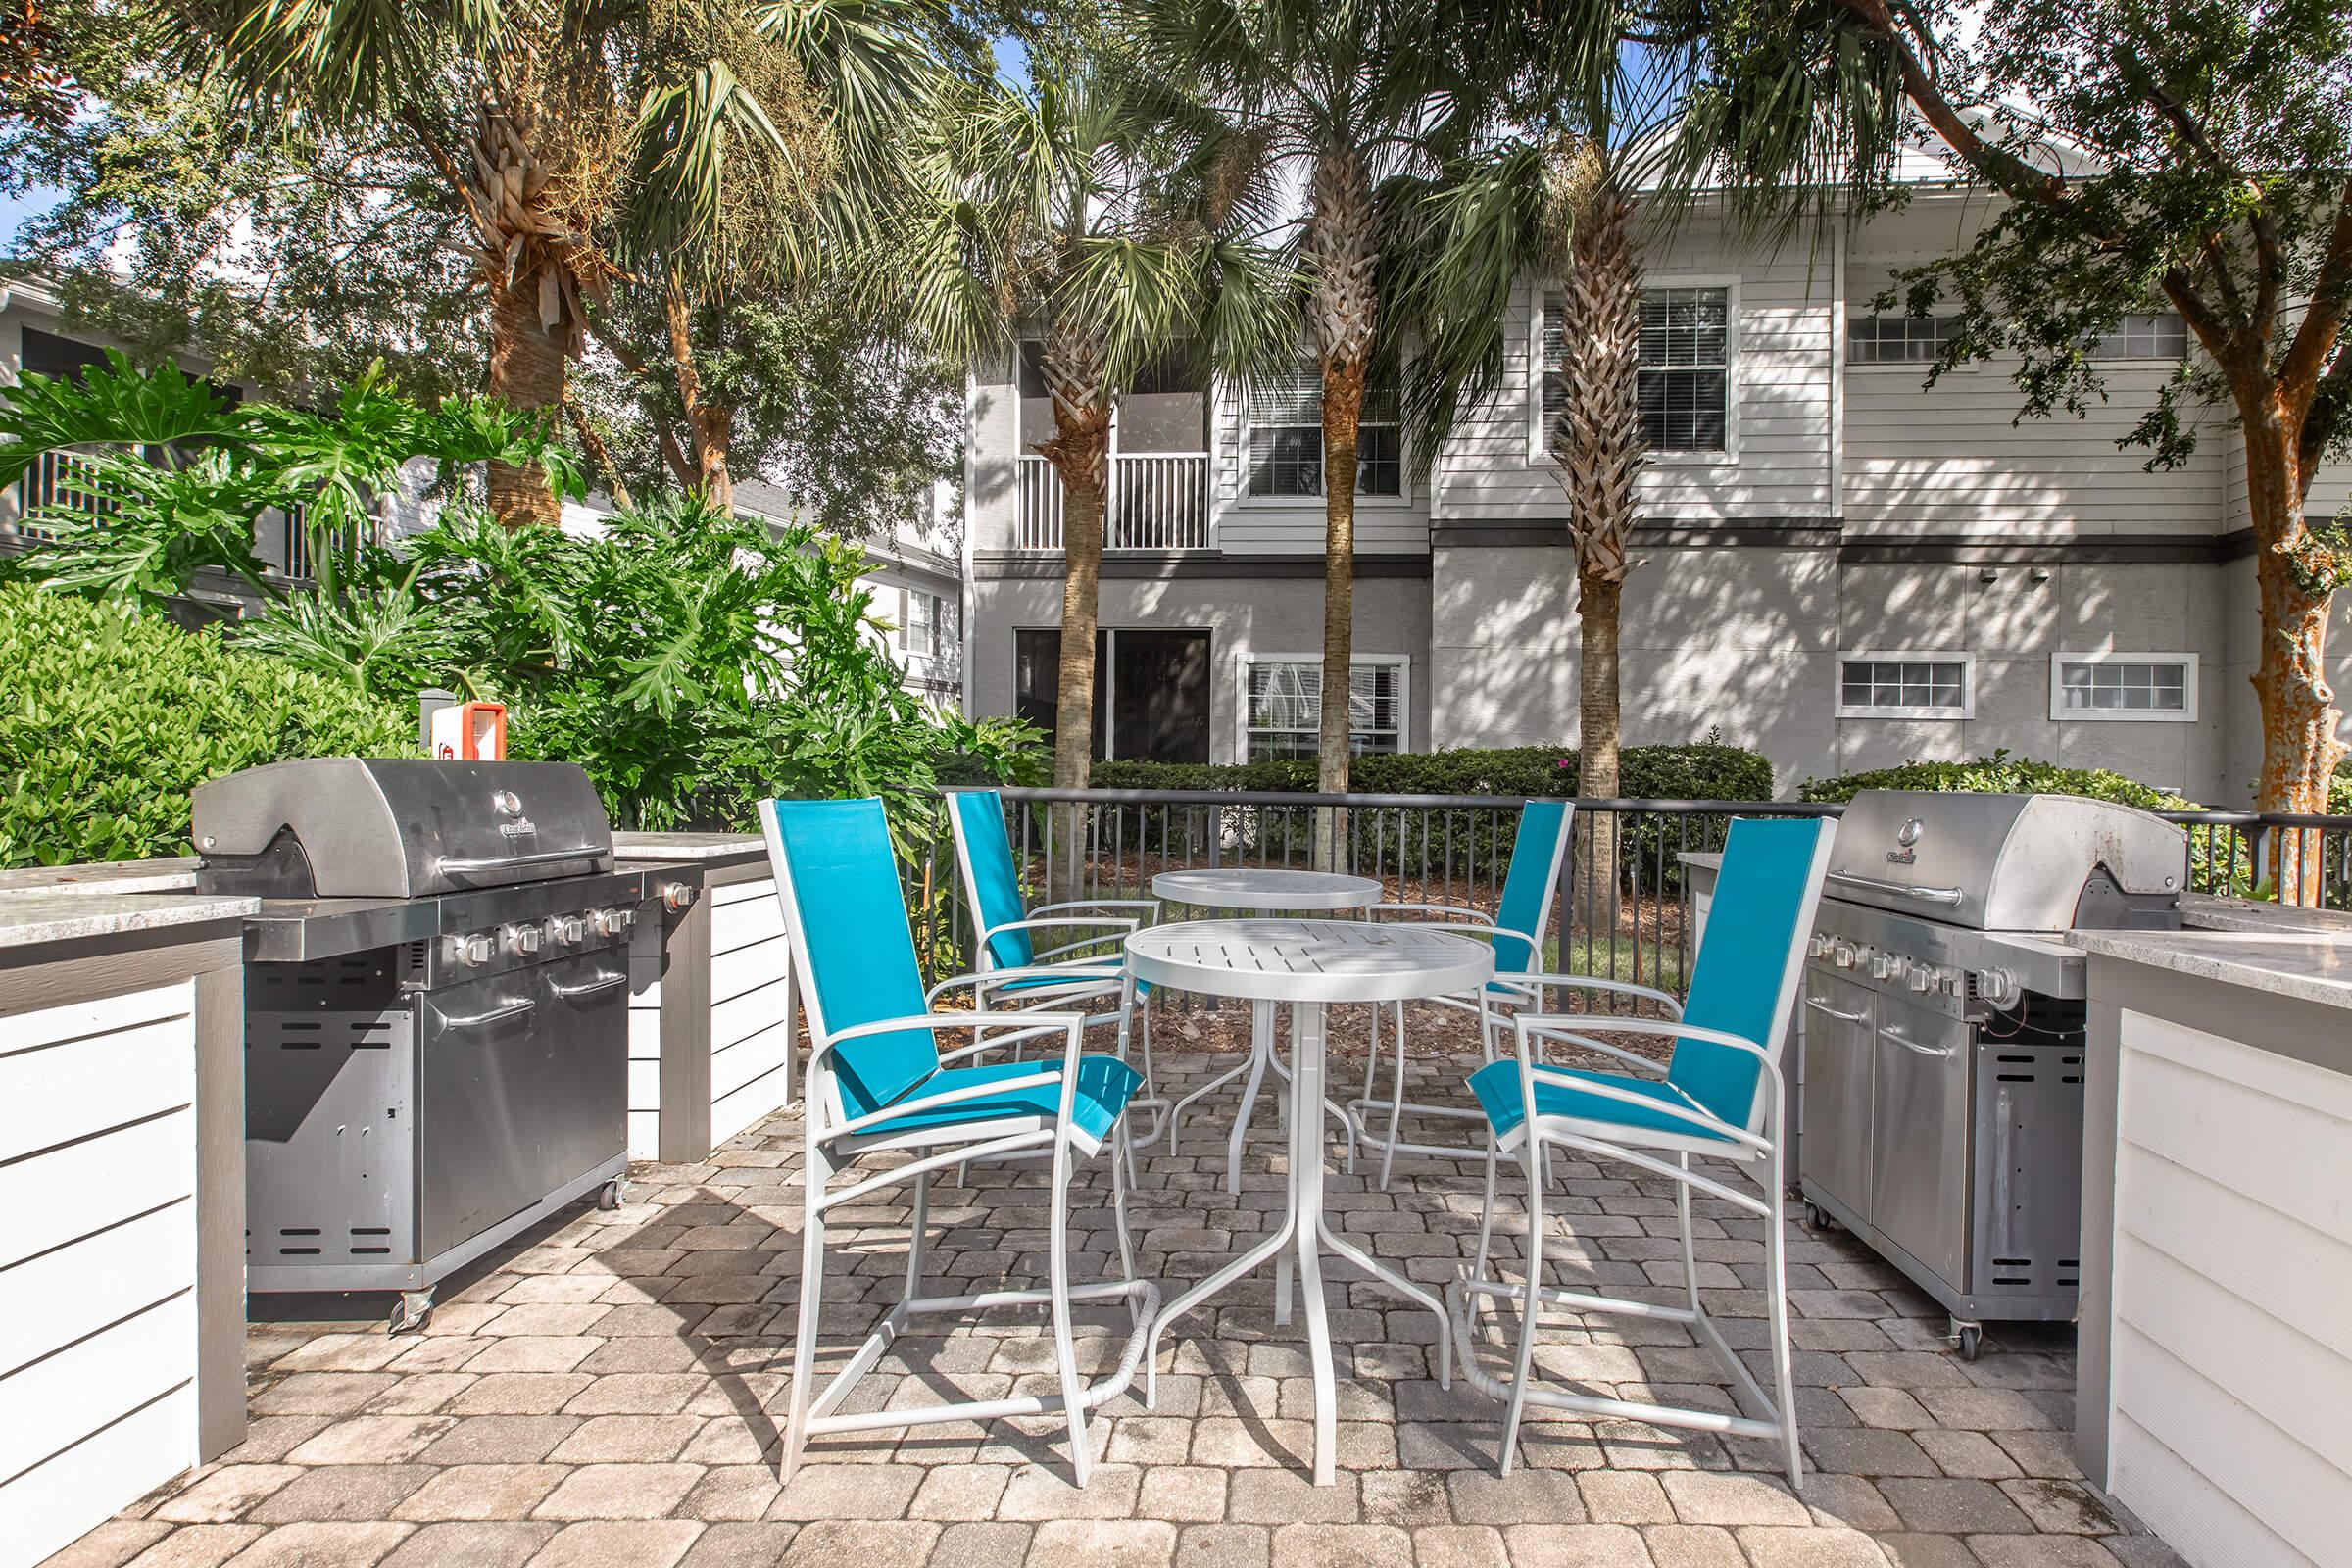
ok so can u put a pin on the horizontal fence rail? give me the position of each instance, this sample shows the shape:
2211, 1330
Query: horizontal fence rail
1632, 921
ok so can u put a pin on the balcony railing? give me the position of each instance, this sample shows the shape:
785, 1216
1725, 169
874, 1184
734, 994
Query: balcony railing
59, 480
1158, 501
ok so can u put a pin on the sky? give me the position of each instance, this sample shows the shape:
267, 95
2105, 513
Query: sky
15, 209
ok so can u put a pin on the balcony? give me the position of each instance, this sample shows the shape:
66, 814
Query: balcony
1158, 501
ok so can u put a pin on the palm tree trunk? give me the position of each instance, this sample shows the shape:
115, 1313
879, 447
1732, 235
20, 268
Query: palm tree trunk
1077, 377
709, 422
1598, 445
1339, 254
1343, 413
526, 370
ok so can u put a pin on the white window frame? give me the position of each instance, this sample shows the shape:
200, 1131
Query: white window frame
1914, 656
1728, 283
2063, 714
2187, 341
930, 627
1403, 664
1913, 367
1243, 498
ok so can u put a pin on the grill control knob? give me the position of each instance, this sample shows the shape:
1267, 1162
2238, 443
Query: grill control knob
612, 922
1821, 946
475, 951
1996, 987
1843, 957
1923, 977
1885, 966
523, 940
567, 929
676, 895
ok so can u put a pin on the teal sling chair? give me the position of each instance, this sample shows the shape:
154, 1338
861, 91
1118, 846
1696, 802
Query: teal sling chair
878, 1083
1516, 928
1718, 1098
1012, 970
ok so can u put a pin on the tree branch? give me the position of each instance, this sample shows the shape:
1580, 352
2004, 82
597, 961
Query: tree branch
2324, 319
2003, 168
2212, 331
2330, 403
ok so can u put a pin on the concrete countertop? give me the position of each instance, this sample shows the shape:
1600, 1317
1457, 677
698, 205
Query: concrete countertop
685, 846
111, 876
32, 917
1702, 860
2312, 966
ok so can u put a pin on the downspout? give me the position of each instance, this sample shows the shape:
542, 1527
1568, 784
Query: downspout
963, 576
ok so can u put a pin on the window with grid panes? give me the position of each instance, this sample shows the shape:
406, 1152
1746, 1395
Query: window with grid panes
1686, 369
1284, 707
1903, 686
2157, 686
2144, 337
1897, 339
1285, 438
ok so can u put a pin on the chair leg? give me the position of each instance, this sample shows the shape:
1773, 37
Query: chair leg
917, 1224
1058, 1278
1532, 1158
1776, 1302
814, 1172
1118, 1196
1486, 1217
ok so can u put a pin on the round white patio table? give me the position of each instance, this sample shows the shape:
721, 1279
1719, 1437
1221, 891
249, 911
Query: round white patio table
1309, 964
1264, 890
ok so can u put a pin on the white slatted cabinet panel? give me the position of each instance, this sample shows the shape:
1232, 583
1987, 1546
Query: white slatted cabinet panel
751, 968
645, 1043
2233, 1363
97, 1262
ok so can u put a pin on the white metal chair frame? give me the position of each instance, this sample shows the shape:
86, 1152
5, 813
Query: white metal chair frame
1526, 994
1756, 1145
836, 1139
1087, 970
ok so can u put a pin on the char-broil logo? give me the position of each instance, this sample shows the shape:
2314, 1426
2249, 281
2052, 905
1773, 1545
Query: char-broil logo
1908, 837
521, 829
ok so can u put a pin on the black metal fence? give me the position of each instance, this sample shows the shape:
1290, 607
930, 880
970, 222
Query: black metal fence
1634, 924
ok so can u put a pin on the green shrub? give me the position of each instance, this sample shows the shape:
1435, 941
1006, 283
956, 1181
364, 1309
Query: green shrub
109, 719
1703, 770
2000, 774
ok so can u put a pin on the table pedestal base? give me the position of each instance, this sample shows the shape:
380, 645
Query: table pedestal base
1305, 1232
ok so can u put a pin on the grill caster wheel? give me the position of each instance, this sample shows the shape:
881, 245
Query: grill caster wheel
1968, 1341
609, 1197
410, 1313
1815, 1219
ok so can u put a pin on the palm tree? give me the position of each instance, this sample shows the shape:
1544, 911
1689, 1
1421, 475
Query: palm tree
1419, 214
533, 115
1106, 213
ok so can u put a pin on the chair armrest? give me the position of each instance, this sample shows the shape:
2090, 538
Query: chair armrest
1124, 922
1587, 1042
1585, 982
1109, 972
1149, 906
1457, 913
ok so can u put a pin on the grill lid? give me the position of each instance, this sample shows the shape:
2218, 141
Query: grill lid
1998, 862
395, 827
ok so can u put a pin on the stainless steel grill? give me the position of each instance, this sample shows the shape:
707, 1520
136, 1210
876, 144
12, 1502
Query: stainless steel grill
1944, 1033
437, 1010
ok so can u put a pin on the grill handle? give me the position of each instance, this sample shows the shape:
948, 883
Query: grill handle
1914, 1046
1839, 1013
588, 987
499, 863
474, 1020
1948, 896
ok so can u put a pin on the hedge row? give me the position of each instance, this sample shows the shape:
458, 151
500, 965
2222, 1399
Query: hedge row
1703, 770
108, 720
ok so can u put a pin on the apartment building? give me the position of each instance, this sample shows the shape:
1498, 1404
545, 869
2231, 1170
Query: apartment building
1837, 564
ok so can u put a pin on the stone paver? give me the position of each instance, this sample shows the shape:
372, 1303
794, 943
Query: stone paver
613, 1391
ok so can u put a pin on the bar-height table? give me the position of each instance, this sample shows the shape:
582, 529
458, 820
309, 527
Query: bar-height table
1309, 964
1263, 890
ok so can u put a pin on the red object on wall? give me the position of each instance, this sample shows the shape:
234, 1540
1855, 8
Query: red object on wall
470, 732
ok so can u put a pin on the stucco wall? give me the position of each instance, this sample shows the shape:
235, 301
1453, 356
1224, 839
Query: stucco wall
1241, 615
